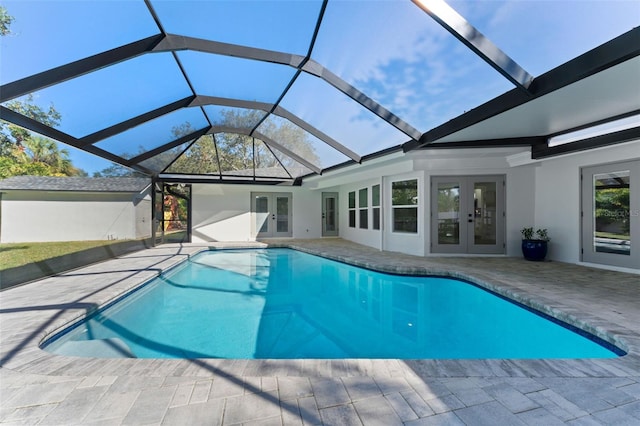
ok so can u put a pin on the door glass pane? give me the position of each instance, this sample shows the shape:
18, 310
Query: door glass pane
612, 213
449, 213
484, 206
330, 214
282, 214
262, 213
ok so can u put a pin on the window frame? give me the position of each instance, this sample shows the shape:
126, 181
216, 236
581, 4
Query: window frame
352, 208
363, 208
375, 208
398, 207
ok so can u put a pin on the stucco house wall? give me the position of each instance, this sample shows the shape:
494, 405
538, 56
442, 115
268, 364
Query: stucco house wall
223, 212
519, 185
557, 195
32, 215
540, 193
369, 236
520, 193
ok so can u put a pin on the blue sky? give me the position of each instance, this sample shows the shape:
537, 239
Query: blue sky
390, 50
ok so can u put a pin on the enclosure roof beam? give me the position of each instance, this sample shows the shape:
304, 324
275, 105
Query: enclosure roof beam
75, 69
483, 143
461, 29
190, 178
287, 152
159, 150
280, 112
202, 100
49, 132
135, 121
314, 68
545, 151
248, 132
605, 56
174, 42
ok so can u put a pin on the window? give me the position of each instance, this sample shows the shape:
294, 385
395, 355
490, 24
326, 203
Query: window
363, 203
352, 209
404, 202
375, 206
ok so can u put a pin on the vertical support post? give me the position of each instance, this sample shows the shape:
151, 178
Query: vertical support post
1, 216
189, 213
161, 211
153, 211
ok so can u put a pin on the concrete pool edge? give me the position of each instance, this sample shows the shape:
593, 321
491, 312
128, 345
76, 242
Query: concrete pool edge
32, 359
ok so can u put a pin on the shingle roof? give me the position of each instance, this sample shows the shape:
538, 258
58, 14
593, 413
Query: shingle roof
79, 184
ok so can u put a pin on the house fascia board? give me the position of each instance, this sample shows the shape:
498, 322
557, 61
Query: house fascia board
392, 167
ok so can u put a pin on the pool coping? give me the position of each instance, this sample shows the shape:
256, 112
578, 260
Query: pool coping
29, 358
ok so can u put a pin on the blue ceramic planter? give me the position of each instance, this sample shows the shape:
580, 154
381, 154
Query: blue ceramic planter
534, 250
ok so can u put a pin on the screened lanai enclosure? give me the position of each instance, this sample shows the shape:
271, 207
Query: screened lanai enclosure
272, 91
308, 119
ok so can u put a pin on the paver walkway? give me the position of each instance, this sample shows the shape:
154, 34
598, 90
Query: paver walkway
41, 388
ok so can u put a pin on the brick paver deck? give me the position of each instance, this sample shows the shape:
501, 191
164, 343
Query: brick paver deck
37, 387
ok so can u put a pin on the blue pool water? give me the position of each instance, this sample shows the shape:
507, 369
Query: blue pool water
281, 303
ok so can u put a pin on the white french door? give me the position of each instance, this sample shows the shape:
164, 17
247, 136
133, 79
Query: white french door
611, 214
467, 214
271, 212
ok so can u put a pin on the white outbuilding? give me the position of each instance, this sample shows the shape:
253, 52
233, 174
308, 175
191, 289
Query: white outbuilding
44, 208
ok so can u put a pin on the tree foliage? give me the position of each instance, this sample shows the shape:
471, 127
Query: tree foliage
612, 206
404, 193
235, 152
24, 153
5, 21
448, 199
116, 170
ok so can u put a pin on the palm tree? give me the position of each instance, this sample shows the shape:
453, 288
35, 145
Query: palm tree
46, 151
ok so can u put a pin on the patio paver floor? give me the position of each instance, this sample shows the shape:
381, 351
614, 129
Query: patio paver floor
41, 388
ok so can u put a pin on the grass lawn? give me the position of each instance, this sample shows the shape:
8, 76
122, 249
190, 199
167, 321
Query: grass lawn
19, 254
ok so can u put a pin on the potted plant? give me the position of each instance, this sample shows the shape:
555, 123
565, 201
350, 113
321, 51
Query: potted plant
534, 245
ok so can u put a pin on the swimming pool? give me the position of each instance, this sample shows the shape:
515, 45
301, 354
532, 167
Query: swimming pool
281, 303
